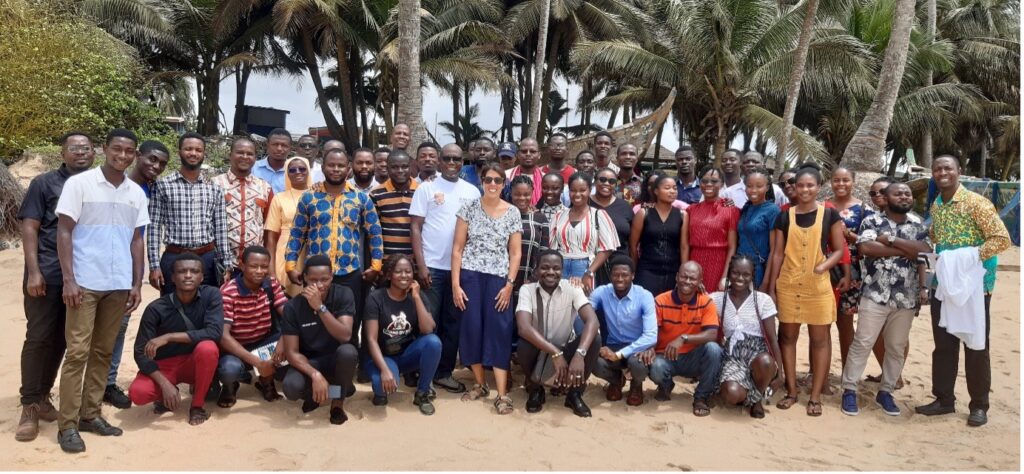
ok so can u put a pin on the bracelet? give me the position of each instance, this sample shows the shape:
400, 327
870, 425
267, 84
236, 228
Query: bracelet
556, 355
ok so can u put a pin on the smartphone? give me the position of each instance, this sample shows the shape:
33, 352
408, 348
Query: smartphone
334, 392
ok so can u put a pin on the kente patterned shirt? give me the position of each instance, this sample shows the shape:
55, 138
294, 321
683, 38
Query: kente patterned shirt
246, 203
969, 220
334, 226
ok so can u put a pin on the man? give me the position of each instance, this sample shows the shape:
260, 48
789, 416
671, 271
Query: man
433, 214
188, 216
731, 167
485, 150
737, 193
545, 316
99, 244
893, 288
363, 171
470, 172
271, 167
380, 164
686, 176
630, 183
557, 150
630, 327
426, 162
246, 197
45, 312
177, 342
527, 154
551, 188
687, 339
307, 148
603, 143
585, 163
329, 145
961, 218
392, 200
400, 136
318, 336
153, 159
507, 155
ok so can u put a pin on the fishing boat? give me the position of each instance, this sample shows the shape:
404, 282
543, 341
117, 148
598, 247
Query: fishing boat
640, 132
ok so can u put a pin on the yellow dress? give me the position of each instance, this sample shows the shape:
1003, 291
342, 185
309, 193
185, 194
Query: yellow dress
280, 219
804, 297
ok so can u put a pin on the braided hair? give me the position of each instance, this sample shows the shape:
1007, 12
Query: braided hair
738, 258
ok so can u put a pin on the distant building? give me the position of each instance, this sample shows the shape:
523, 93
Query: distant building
261, 120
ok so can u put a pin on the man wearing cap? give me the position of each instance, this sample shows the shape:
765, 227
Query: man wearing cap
507, 155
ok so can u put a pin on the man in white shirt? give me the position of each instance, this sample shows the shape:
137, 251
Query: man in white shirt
738, 192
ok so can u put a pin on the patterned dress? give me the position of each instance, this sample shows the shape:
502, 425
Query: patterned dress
709, 226
852, 218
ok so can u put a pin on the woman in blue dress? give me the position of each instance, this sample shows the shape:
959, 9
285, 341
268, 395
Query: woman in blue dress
757, 218
852, 211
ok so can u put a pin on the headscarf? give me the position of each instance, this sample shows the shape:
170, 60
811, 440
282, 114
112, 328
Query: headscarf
288, 178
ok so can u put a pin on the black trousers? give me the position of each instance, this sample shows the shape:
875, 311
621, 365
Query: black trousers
946, 361
44, 343
338, 368
527, 356
354, 281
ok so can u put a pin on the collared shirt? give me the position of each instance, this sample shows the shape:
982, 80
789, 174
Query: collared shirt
677, 318
247, 201
395, 224
631, 322
969, 220
560, 309
373, 184
470, 174
206, 313
188, 215
276, 178
892, 281
550, 211
40, 204
419, 180
248, 312
629, 191
334, 226
106, 217
689, 193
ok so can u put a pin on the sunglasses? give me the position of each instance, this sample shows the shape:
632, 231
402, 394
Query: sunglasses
874, 193
603, 180
790, 181
492, 180
307, 146
296, 170
451, 159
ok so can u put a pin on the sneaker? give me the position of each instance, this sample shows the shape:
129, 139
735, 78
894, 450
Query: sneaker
849, 405
99, 426
450, 384
114, 396
70, 441
885, 400
47, 412
28, 426
422, 400
380, 400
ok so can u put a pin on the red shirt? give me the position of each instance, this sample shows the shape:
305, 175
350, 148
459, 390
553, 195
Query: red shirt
248, 312
676, 318
566, 172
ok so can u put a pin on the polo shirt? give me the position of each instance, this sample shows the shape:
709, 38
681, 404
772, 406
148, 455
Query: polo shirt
631, 322
560, 308
438, 202
106, 217
247, 312
676, 318
393, 210
40, 204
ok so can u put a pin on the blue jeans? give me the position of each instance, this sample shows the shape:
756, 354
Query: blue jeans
422, 356
704, 362
231, 369
442, 307
115, 357
575, 267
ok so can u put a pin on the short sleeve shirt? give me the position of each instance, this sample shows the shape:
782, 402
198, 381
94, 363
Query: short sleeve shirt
249, 312
892, 281
738, 323
398, 321
677, 318
560, 309
301, 320
40, 204
437, 202
487, 242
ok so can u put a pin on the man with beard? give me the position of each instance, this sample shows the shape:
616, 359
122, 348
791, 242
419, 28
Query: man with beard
485, 150
380, 164
737, 193
306, 147
426, 162
528, 153
271, 168
603, 143
45, 312
400, 136
630, 183
392, 200
557, 149
731, 167
246, 197
188, 215
894, 287
686, 175
363, 170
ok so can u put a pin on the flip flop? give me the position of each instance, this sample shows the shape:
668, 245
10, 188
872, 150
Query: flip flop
786, 402
813, 408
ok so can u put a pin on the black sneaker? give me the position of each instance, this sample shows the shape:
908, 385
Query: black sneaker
380, 400
99, 426
116, 397
535, 402
412, 379
70, 441
422, 400
308, 406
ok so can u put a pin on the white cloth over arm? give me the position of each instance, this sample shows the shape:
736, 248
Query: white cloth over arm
961, 289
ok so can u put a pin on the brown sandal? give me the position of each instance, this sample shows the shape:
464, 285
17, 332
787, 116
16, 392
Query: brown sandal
503, 404
701, 408
786, 403
813, 408
477, 392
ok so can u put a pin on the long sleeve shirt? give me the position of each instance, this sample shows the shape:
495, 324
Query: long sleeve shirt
206, 312
969, 220
188, 215
334, 226
631, 322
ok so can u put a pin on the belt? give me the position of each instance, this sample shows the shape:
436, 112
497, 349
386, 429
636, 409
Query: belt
203, 249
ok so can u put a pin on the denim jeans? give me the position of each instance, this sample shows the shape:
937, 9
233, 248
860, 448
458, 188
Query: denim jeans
115, 357
442, 307
231, 369
703, 362
575, 267
420, 356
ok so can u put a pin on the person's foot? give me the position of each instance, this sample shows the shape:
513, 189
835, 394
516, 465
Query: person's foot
228, 395
197, 416
308, 406
535, 401
700, 407
663, 394
885, 400
159, 408
412, 379
338, 415
978, 417
574, 400
636, 394
935, 408
70, 441
47, 412
267, 388
379, 400
28, 425
114, 396
422, 400
450, 384
814, 408
757, 410
99, 426
849, 404
614, 392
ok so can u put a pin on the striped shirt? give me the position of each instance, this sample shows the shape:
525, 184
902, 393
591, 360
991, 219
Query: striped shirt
248, 312
188, 215
395, 224
246, 203
595, 233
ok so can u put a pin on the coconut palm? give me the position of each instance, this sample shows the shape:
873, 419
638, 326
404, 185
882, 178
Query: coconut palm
410, 94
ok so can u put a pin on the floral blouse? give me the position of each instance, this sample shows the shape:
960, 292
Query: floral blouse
892, 281
486, 248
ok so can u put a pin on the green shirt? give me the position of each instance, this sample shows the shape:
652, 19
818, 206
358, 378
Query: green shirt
969, 220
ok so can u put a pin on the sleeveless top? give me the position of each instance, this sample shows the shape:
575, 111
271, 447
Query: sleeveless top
659, 242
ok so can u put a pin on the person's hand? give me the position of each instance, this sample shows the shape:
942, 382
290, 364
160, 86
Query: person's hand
607, 354
72, 294
388, 382
265, 368
36, 285
171, 396
844, 284
820, 268
370, 276
278, 356
154, 344
134, 298
424, 276
295, 277
647, 357
723, 284
320, 392
771, 294
576, 282
576, 366
727, 202
561, 371
503, 297
883, 238
229, 274
414, 290
156, 278
923, 296
779, 381
588, 283
672, 349
459, 297
312, 294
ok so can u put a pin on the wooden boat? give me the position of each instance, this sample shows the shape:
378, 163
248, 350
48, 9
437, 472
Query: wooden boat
640, 132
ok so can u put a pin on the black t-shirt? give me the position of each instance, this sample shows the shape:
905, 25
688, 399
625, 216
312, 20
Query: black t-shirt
301, 320
621, 214
398, 322
39, 204
806, 220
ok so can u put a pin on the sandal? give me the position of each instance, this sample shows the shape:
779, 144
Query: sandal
228, 396
268, 390
786, 402
813, 408
503, 404
477, 392
197, 415
701, 408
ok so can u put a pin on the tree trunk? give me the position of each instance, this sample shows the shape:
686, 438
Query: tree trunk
545, 101
795, 78
457, 131
313, 67
525, 97
866, 149
611, 119
925, 155
657, 147
350, 135
538, 83
721, 140
410, 95
242, 74
360, 88
209, 109
983, 166
506, 105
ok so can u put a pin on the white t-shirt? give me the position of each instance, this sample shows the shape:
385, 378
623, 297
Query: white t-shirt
738, 194
438, 202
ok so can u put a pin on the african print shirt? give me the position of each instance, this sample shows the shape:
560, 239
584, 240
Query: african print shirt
969, 220
334, 226
892, 281
629, 191
246, 202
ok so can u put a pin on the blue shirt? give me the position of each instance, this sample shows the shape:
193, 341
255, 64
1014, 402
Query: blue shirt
470, 174
631, 322
689, 193
754, 234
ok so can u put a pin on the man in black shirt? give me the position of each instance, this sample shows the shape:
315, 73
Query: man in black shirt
44, 284
177, 342
318, 339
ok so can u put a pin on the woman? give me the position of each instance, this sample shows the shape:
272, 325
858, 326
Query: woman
757, 218
752, 359
552, 189
712, 230
280, 217
535, 232
584, 235
852, 211
485, 259
800, 284
619, 211
400, 335
657, 240
647, 198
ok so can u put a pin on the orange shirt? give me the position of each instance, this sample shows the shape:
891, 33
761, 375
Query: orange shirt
676, 318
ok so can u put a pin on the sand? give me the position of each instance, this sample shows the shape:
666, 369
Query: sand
255, 435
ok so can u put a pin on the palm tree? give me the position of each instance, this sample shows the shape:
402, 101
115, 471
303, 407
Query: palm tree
538, 68
796, 76
410, 94
468, 128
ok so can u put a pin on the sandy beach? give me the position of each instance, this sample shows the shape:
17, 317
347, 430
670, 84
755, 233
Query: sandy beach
255, 435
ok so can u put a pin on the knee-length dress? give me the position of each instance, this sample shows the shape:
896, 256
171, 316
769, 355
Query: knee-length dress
708, 232
744, 338
804, 297
659, 251
852, 217
753, 234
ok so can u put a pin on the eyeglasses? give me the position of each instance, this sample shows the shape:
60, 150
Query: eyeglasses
307, 145
80, 148
451, 159
296, 170
492, 180
603, 180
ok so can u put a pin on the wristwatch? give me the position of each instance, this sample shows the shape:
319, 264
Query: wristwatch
510, 281
322, 309
686, 339
588, 273
581, 351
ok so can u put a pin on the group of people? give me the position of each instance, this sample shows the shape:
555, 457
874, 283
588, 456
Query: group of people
316, 268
